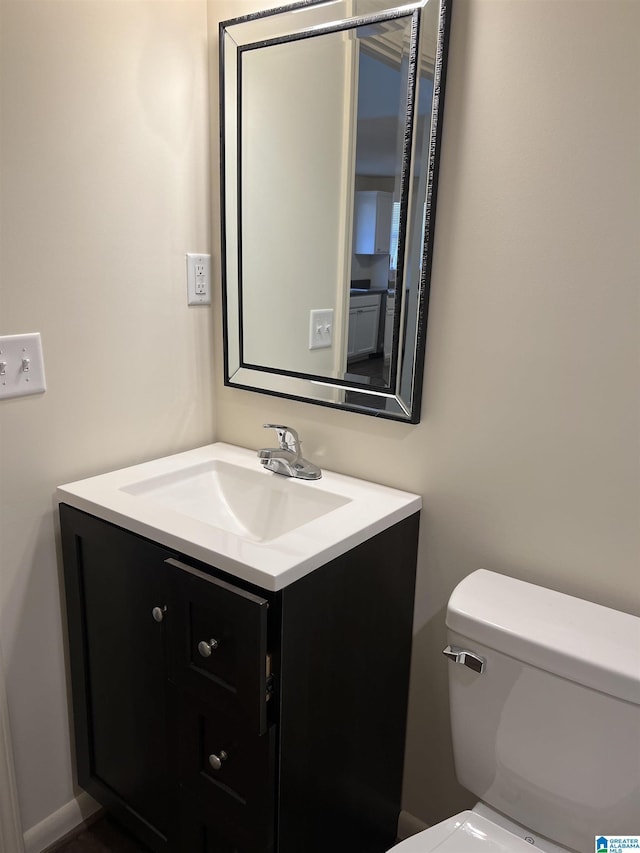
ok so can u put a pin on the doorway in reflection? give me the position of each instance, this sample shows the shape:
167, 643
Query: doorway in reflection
381, 117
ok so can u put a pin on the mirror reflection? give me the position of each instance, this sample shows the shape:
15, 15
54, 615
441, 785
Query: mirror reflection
382, 97
327, 133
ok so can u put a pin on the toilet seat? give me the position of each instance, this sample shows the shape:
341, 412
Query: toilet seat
467, 832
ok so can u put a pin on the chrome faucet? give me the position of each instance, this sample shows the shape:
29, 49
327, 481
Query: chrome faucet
287, 459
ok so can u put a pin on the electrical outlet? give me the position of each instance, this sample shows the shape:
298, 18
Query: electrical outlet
198, 279
320, 328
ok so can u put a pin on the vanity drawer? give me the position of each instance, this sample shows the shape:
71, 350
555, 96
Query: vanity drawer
227, 776
200, 833
218, 644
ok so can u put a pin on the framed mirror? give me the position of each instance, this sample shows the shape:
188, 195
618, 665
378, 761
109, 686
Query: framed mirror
330, 132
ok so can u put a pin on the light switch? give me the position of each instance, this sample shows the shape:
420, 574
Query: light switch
320, 328
21, 366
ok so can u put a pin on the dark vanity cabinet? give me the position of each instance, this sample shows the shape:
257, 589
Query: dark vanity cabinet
213, 716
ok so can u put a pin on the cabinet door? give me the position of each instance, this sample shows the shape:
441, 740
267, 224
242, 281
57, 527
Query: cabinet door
388, 326
218, 642
372, 222
351, 339
366, 332
201, 833
384, 215
117, 650
228, 778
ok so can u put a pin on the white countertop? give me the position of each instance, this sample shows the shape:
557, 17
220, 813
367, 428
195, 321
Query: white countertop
352, 511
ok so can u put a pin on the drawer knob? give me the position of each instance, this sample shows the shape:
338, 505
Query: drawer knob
206, 647
158, 613
216, 761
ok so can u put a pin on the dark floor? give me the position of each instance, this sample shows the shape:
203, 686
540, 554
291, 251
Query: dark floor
103, 836
373, 369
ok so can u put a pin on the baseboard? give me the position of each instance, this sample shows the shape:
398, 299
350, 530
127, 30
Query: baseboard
10, 828
408, 825
60, 823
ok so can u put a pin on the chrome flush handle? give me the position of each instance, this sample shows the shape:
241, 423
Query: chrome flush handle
466, 658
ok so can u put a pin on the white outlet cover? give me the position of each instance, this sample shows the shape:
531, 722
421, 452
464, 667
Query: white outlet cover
202, 295
21, 366
320, 328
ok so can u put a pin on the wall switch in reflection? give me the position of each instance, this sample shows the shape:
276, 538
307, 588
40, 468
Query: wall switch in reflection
320, 328
198, 279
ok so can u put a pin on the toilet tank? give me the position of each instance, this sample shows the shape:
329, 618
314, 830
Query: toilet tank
549, 732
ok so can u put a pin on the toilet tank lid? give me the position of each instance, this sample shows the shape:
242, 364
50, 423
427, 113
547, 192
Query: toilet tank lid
575, 639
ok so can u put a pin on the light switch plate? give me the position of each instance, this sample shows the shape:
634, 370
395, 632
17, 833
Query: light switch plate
320, 328
198, 279
21, 366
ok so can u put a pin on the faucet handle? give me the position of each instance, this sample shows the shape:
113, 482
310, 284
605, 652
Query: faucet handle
287, 436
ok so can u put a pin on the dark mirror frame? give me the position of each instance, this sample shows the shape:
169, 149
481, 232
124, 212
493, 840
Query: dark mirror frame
401, 400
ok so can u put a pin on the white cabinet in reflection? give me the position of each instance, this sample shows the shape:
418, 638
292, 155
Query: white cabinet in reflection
372, 222
364, 325
388, 326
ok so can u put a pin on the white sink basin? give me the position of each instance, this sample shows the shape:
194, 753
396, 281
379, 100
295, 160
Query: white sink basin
217, 504
241, 501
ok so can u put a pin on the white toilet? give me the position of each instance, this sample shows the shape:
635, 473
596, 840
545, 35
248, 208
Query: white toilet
545, 716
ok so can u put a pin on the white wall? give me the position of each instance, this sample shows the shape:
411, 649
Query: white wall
294, 162
104, 168
527, 455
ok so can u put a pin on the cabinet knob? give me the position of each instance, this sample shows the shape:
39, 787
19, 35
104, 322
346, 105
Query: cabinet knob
158, 613
206, 647
216, 761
